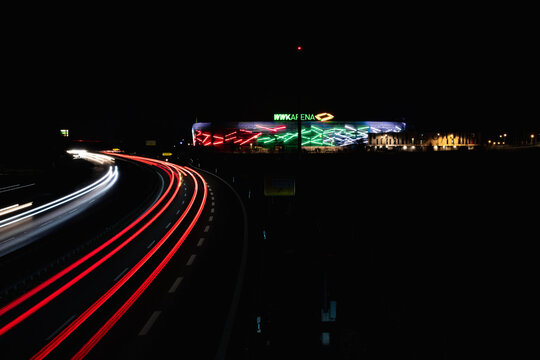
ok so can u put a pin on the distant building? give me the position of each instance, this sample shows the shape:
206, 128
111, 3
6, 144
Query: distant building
437, 141
323, 135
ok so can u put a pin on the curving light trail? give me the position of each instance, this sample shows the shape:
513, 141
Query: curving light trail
99, 186
69, 329
71, 276
140, 290
84, 273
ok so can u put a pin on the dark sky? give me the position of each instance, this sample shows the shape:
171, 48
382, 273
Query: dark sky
126, 72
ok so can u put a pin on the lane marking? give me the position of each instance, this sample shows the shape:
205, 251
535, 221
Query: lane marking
89, 345
201, 241
66, 332
121, 274
231, 316
176, 284
168, 225
191, 260
212, 210
14, 187
60, 328
213, 203
207, 228
108, 180
146, 328
211, 218
46, 223
150, 245
10, 186
178, 211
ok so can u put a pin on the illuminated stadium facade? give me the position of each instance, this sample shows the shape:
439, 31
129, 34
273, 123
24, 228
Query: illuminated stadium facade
283, 133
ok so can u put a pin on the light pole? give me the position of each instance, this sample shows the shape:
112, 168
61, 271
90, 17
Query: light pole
299, 50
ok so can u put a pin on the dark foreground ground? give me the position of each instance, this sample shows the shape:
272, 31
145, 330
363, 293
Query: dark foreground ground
426, 255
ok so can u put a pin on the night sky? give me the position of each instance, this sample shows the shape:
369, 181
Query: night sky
121, 73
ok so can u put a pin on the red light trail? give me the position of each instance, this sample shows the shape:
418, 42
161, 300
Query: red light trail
175, 175
76, 264
122, 310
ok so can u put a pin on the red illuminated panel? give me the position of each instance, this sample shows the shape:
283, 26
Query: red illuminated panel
282, 127
251, 138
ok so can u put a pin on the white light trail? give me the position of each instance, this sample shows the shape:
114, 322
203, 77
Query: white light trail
109, 179
13, 208
97, 158
15, 187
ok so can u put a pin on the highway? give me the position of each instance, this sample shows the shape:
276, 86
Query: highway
143, 289
24, 227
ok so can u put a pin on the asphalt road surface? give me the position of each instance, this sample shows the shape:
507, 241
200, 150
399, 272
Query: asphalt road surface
156, 281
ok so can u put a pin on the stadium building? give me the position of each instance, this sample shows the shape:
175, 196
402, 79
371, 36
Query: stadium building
317, 131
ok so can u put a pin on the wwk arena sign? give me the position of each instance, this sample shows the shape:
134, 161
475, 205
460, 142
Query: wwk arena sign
303, 117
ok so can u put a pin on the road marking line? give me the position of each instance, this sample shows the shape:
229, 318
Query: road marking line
199, 244
191, 260
60, 328
121, 274
213, 203
15, 187
207, 228
212, 210
146, 328
150, 245
211, 218
175, 284
46, 223
178, 211
168, 225
10, 186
